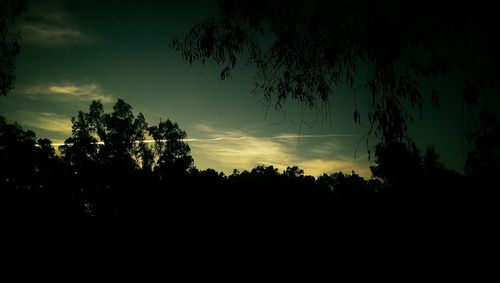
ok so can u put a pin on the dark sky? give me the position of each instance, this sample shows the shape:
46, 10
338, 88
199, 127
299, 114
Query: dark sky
76, 51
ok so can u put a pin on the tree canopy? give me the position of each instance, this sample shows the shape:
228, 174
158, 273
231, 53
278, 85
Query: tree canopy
118, 139
113, 196
9, 42
304, 50
484, 159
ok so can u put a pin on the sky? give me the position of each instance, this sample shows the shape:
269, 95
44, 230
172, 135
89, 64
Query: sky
73, 52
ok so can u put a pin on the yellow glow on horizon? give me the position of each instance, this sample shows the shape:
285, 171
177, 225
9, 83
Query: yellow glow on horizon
232, 149
48, 121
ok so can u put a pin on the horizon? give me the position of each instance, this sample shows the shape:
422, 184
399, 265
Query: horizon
239, 133
72, 53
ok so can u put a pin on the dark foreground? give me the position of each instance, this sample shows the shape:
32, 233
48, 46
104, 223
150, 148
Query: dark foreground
209, 223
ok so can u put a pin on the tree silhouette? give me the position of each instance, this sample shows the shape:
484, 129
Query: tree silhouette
304, 50
17, 155
143, 154
80, 149
293, 172
48, 161
26, 163
172, 152
89, 207
123, 135
431, 164
118, 134
397, 164
268, 171
118, 140
9, 42
484, 160
115, 139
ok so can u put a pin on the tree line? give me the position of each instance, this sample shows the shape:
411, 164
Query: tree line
111, 198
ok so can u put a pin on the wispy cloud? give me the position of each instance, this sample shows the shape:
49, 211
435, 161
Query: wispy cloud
235, 134
47, 24
229, 148
240, 153
53, 35
66, 92
324, 149
47, 121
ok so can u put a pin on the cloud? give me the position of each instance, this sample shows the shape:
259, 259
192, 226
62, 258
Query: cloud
66, 92
229, 148
240, 153
324, 149
205, 128
48, 25
47, 121
53, 35
234, 134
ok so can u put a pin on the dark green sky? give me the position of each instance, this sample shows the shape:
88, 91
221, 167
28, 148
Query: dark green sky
76, 51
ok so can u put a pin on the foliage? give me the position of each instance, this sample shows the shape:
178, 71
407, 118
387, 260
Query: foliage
396, 163
9, 42
87, 206
17, 155
118, 139
293, 172
26, 164
484, 160
304, 50
172, 151
80, 150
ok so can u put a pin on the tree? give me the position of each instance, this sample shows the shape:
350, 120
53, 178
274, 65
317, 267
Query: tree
171, 150
431, 164
117, 141
142, 152
9, 42
265, 171
484, 160
303, 50
80, 149
397, 164
25, 162
118, 135
46, 154
110, 138
17, 156
293, 172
